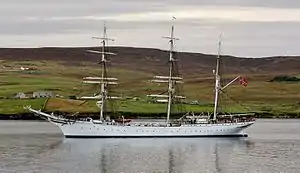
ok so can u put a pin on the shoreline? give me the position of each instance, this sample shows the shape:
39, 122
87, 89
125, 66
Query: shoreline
131, 115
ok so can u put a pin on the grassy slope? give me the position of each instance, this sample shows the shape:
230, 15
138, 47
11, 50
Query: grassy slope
258, 96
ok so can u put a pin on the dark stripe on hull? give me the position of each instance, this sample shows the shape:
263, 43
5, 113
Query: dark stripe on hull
192, 136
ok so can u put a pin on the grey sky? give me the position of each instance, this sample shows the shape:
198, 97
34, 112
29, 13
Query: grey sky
251, 28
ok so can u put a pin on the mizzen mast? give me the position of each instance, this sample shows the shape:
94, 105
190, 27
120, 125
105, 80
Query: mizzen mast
217, 82
104, 80
218, 86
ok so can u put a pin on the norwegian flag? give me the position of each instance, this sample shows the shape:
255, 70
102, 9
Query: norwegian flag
243, 81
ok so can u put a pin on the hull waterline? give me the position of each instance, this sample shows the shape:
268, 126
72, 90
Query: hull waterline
90, 130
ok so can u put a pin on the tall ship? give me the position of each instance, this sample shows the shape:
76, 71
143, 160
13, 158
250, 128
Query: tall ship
189, 125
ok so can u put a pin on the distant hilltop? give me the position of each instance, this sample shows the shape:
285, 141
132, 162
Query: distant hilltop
144, 58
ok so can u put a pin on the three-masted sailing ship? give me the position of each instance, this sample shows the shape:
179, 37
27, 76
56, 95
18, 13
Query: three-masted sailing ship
187, 126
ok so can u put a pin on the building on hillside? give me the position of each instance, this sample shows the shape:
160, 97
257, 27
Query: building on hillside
20, 95
43, 94
27, 68
195, 102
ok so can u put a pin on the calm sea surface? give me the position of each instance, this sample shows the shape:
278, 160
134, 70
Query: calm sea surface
33, 146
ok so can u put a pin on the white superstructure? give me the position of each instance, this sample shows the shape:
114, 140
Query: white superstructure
187, 126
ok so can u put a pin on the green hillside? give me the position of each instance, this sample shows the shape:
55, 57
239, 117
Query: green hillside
261, 95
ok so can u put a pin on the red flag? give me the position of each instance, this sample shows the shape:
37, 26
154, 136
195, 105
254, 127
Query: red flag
243, 81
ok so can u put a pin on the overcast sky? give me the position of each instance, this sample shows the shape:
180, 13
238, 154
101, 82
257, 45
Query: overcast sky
251, 28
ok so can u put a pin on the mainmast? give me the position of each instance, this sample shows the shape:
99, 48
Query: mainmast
104, 81
171, 90
171, 79
103, 90
217, 84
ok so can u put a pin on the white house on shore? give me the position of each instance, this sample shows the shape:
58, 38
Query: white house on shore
43, 94
20, 95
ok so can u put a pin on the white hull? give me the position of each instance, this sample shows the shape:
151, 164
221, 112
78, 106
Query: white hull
91, 130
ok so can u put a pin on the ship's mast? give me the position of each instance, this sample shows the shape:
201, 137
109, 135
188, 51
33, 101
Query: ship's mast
104, 81
217, 82
218, 86
103, 74
171, 90
171, 79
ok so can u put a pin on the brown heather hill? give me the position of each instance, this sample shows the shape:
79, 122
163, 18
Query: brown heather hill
154, 60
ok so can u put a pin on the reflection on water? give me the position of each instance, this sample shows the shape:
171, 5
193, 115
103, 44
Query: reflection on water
37, 151
160, 155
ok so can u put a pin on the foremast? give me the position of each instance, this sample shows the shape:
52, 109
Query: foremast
171, 89
104, 80
171, 79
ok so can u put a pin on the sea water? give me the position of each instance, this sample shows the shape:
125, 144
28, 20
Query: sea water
38, 146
